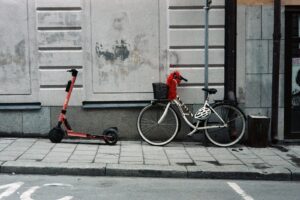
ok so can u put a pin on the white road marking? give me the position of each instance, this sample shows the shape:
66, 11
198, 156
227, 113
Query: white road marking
239, 190
58, 184
27, 194
66, 198
11, 189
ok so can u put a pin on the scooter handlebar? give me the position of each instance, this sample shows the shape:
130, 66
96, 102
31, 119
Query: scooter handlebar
73, 71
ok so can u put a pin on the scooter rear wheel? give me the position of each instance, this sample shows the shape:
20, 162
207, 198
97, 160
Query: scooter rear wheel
112, 137
56, 134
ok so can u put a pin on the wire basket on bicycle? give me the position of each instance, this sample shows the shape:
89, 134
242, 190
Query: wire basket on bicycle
160, 91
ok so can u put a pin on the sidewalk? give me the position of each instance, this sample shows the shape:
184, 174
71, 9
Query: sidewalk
136, 158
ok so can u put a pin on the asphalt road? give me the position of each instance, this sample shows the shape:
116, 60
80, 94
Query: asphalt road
29, 187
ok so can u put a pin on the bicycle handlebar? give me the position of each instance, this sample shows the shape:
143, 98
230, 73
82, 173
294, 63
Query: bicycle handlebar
181, 77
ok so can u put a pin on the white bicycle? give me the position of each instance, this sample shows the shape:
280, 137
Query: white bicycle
158, 123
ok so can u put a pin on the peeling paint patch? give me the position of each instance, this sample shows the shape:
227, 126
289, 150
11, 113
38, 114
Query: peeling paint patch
174, 58
120, 51
120, 21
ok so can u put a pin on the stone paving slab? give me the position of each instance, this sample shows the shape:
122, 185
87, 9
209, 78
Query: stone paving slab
136, 158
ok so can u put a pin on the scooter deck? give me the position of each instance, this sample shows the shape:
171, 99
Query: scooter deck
86, 135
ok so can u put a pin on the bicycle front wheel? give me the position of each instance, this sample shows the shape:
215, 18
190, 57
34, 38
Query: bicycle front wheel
235, 123
154, 133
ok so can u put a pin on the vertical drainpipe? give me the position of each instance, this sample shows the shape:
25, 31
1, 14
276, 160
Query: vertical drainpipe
230, 49
206, 8
276, 64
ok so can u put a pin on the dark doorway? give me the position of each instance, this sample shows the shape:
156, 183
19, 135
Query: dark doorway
292, 72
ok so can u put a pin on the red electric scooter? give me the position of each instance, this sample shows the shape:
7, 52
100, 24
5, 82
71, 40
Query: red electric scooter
110, 135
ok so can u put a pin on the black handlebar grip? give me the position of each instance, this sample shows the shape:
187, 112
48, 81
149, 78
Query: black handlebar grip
73, 71
68, 86
183, 79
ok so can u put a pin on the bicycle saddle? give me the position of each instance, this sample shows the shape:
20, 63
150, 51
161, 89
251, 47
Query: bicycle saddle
210, 90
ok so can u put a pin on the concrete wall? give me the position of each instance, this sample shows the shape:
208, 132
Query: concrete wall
254, 61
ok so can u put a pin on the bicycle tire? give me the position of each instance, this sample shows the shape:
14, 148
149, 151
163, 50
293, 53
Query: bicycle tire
233, 133
154, 133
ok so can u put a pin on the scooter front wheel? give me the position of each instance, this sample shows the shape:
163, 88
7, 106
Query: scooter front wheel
56, 134
111, 137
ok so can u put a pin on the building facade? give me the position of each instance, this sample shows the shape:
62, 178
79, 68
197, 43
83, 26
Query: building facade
119, 49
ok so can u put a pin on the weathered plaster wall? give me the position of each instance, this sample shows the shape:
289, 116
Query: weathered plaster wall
118, 47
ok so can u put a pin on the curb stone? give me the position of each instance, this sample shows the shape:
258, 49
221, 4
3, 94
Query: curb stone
18, 167
146, 171
295, 174
97, 169
276, 173
238, 172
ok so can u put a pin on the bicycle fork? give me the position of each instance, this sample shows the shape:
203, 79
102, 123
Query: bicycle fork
161, 119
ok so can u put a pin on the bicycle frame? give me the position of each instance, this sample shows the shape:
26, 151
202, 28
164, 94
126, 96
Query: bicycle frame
184, 115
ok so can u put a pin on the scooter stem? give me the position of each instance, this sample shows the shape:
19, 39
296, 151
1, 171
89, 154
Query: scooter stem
74, 75
69, 89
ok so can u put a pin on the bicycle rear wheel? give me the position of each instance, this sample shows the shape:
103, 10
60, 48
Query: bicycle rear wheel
154, 133
233, 132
